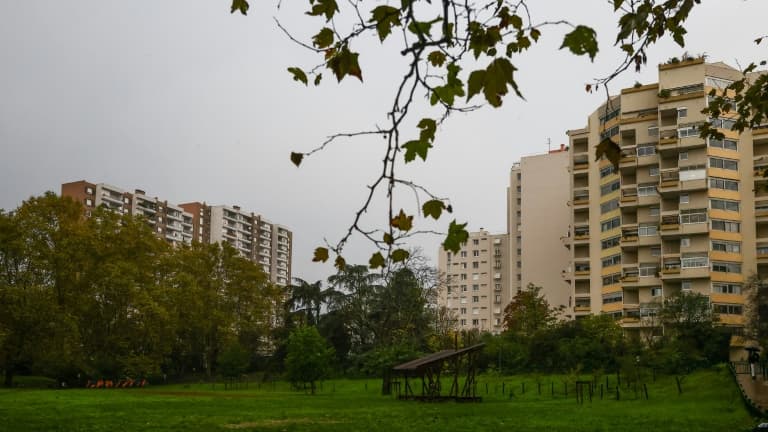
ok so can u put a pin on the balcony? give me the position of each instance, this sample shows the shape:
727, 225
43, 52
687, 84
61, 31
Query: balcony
629, 233
580, 234
669, 180
629, 275
628, 157
628, 196
580, 163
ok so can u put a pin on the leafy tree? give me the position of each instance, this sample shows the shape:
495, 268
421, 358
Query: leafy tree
234, 361
358, 288
529, 312
757, 313
308, 358
307, 298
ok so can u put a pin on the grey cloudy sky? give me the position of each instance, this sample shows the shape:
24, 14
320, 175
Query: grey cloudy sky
188, 102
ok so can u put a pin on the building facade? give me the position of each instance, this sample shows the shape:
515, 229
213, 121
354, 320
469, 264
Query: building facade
680, 213
477, 282
250, 234
537, 221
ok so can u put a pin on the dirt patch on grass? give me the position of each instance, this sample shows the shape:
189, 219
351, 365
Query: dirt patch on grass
278, 422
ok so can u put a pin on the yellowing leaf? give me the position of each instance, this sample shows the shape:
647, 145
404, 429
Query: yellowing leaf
402, 221
321, 255
610, 150
399, 255
298, 74
433, 208
376, 261
344, 62
340, 263
437, 58
324, 38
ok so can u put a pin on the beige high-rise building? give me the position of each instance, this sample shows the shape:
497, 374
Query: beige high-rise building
537, 221
477, 282
250, 234
681, 213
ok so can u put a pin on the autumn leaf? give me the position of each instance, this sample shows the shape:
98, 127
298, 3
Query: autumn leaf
610, 150
343, 63
298, 74
296, 158
402, 221
340, 263
324, 38
385, 18
399, 255
321, 255
240, 5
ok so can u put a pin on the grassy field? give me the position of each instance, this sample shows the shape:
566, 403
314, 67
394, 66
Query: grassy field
710, 402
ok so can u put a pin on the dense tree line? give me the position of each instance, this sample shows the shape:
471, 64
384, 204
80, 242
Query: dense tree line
104, 297
680, 336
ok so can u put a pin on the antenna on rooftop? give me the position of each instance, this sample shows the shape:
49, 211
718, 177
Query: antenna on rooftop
549, 145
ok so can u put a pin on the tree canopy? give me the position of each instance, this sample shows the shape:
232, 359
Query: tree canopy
461, 56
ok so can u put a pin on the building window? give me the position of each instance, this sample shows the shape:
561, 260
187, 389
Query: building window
647, 230
726, 288
646, 150
475, 264
475, 253
463, 276
610, 187
728, 309
646, 190
606, 171
89, 190
612, 279
656, 251
609, 206
725, 144
726, 267
685, 242
475, 322
653, 211
684, 198
475, 287
727, 226
463, 265
728, 164
464, 288
611, 260
719, 183
475, 242
463, 322
656, 292
653, 171
463, 254
682, 112
475, 299
683, 155
463, 310
719, 204
611, 242
686, 285
88, 202
610, 224
612, 298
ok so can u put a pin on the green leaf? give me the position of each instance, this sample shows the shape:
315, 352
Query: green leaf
385, 18
296, 158
388, 239
324, 38
617, 4
610, 150
475, 83
414, 148
428, 127
535, 34
582, 40
422, 28
437, 58
298, 74
343, 63
433, 208
240, 5
402, 221
453, 87
516, 21
399, 255
324, 7
376, 261
457, 236
321, 255
494, 81
340, 263
318, 77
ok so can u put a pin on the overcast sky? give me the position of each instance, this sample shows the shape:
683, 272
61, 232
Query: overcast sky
189, 103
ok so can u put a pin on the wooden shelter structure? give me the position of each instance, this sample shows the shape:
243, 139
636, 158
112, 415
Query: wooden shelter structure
428, 370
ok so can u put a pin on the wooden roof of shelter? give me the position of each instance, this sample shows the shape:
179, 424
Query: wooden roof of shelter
434, 358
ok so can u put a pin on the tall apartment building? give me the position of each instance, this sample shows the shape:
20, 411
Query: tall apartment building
680, 213
477, 282
537, 220
250, 234
253, 236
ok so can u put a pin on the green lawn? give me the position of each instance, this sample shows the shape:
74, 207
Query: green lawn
710, 402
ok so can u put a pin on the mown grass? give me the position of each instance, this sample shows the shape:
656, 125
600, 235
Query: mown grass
710, 402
